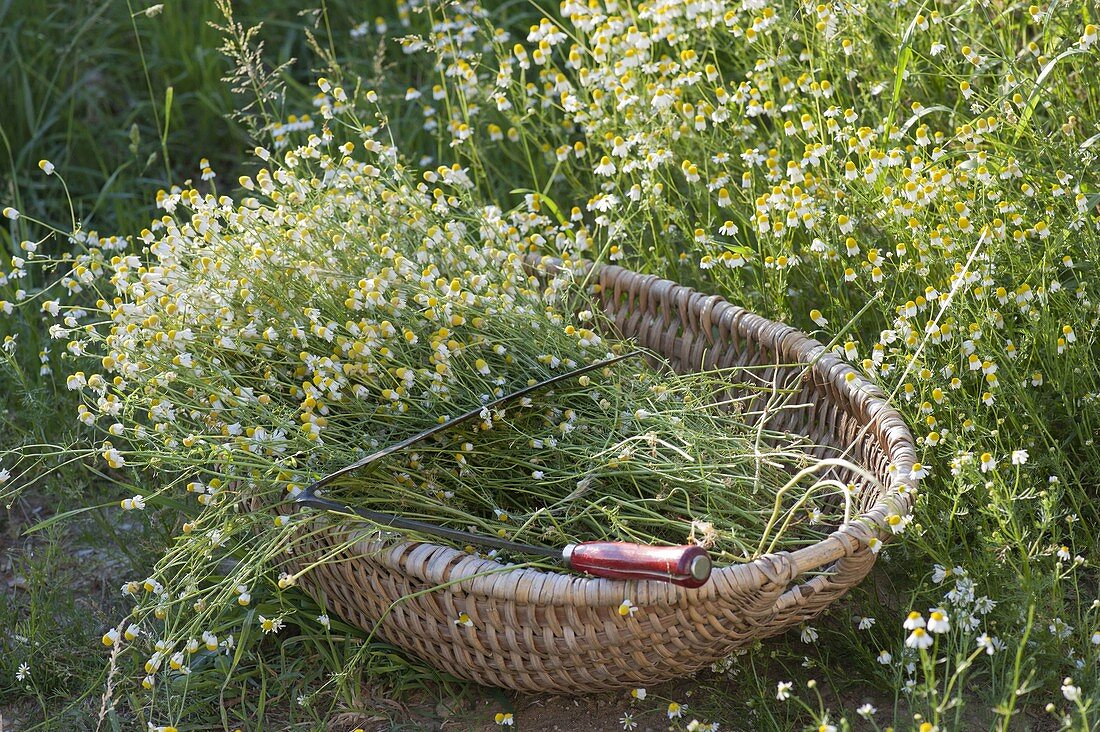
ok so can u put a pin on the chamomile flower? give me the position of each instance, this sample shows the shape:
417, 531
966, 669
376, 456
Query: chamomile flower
897, 523
606, 167
137, 503
270, 625
938, 621
919, 639
986, 644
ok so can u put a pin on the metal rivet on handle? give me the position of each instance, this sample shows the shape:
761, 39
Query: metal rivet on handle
700, 567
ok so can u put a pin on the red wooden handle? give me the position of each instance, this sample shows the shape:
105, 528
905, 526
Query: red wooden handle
688, 566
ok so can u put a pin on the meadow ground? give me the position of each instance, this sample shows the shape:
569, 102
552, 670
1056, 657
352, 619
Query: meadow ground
916, 183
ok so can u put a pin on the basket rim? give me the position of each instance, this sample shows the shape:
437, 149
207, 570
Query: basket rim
437, 564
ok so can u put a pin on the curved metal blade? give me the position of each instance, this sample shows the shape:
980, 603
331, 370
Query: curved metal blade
436, 429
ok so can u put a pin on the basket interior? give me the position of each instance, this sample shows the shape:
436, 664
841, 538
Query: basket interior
695, 332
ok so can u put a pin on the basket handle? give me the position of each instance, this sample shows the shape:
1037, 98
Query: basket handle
687, 566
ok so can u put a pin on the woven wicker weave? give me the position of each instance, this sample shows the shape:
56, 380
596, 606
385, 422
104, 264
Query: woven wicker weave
540, 631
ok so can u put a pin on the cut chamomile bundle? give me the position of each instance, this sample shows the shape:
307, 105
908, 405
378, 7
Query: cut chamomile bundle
254, 346
630, 454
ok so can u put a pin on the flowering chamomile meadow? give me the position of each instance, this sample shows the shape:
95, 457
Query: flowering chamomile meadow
238, 350
913, 183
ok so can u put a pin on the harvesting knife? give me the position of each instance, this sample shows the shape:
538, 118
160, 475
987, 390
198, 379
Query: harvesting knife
687, 566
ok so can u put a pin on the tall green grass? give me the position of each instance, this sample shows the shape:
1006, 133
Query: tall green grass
123, 99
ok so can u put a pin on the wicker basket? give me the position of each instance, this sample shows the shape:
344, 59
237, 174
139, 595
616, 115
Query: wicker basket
541, 631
